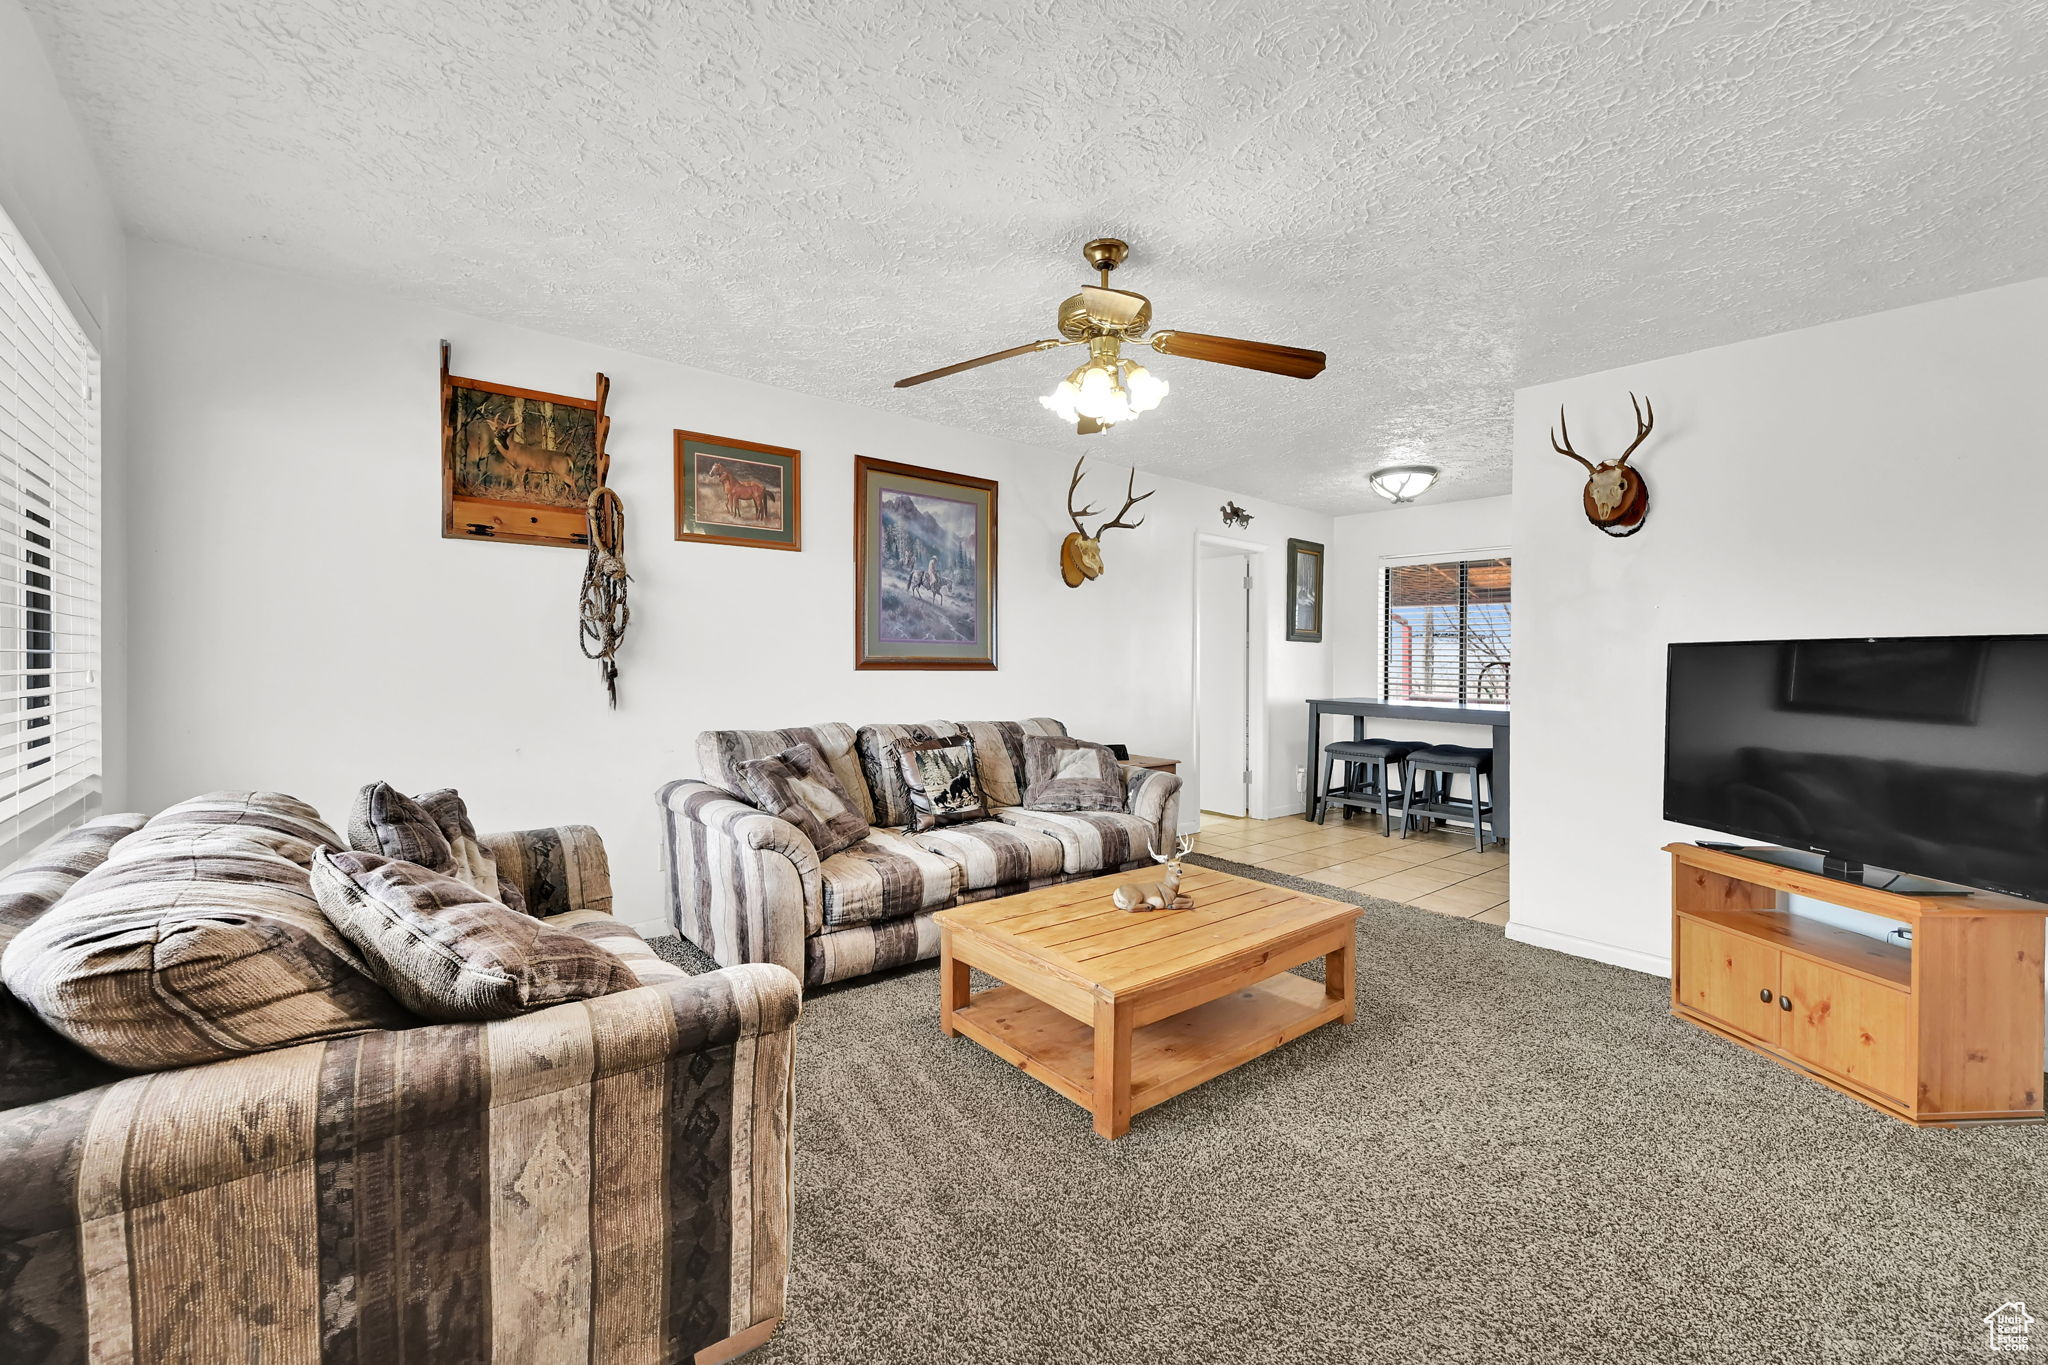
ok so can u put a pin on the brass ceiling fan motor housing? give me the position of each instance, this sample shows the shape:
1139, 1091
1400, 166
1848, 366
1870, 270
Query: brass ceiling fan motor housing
1116, 312
1105, 253
1102, 311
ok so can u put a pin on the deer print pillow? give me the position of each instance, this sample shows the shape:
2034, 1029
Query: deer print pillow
1063, 774
798, 785
944, 787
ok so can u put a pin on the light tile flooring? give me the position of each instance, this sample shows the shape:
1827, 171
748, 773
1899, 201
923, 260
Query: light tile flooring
1436, 871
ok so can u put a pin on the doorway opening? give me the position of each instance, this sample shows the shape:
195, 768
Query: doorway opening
1228, 678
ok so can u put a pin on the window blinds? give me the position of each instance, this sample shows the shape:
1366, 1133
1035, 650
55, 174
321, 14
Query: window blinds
1448, 630
49, 558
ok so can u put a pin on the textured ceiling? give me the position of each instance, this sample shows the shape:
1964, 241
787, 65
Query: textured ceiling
1450, 198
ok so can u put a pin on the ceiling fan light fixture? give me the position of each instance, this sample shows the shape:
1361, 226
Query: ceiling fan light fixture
1062, 400
1145, 388
1399, 483
1106, 390
1101, 396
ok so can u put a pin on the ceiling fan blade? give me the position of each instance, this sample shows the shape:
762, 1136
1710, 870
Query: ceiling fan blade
1292, 361
1114, 307
1026, 349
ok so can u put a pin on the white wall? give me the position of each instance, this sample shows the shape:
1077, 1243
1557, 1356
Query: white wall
300, 624
1360, 546
51, 190
1880, 476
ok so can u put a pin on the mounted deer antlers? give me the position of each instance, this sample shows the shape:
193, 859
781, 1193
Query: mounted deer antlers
1081, 552
1616, 498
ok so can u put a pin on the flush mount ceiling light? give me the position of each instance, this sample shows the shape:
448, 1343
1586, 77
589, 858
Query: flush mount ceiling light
1399, 483
1109, 389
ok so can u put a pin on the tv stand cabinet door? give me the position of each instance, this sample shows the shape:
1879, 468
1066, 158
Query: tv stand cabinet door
1849, 1027
1730, 978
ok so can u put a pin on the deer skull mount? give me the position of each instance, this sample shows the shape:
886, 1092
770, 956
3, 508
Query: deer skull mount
1616, 498
1081, 551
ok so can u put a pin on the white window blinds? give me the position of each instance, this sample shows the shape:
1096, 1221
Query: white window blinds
1449, 626
49, 558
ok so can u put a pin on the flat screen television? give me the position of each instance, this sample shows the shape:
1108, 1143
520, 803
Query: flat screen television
1924, 755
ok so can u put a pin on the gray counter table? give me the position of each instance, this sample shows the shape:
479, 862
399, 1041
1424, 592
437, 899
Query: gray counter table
1358, 708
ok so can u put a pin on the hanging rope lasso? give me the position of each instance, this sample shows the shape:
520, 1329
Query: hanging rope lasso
604, 609
602, 612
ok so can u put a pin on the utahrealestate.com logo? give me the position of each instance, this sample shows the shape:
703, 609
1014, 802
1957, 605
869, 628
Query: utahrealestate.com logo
2008, 1325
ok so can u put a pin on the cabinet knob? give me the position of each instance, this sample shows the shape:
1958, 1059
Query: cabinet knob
1764, 995
1784, 1002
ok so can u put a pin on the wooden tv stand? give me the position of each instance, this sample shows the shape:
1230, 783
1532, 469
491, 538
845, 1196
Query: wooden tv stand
1947, 1031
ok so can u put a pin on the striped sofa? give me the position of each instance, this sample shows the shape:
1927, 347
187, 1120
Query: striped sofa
608, 1180
746, 886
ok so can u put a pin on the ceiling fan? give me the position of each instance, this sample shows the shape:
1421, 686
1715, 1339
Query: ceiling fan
1109, 389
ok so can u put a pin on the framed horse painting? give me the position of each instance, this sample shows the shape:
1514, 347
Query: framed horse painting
732, 492
924, 553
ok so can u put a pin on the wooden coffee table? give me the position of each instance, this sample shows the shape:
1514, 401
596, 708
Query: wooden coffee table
1120, 1011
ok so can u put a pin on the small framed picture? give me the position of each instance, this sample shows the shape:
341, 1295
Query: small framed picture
1305, 591
732, 492
924, 554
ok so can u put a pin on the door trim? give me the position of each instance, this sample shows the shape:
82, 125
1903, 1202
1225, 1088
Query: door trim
1255, 657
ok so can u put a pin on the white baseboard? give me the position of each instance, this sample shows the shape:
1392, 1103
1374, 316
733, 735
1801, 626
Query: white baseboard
1633, 959
1272, 813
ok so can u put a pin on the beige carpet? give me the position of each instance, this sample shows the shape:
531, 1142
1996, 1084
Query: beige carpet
1513, 1155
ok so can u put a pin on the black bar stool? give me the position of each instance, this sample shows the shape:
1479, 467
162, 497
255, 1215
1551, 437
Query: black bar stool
1430, 771
1366, 782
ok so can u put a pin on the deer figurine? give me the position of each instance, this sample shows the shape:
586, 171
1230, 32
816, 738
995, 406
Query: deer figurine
1616, 498
1081, 552
1163, 894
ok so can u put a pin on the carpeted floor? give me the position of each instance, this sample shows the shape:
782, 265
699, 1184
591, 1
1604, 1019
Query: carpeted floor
1512, 1155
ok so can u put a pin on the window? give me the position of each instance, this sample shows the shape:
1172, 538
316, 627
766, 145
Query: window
49, 558
1448, 627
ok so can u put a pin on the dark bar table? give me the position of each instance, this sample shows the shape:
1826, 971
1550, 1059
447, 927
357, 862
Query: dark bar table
1358, 708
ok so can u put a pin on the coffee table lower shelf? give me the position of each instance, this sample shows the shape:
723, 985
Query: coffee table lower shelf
1167, 1057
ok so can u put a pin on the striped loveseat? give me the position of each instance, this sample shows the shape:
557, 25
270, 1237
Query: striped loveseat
607, 1180
746, 886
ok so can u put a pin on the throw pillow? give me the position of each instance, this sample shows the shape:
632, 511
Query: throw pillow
474, 863
432, 830
198, 939
446, 951
37, 1063
1071, 774
940, 779
999, 754
799, 786
883, 767
283, 824
387, 822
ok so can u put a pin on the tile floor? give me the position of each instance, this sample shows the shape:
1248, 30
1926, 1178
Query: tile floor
1435, 871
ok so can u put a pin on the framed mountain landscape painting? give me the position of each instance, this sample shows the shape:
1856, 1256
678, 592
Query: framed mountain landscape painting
924, 548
